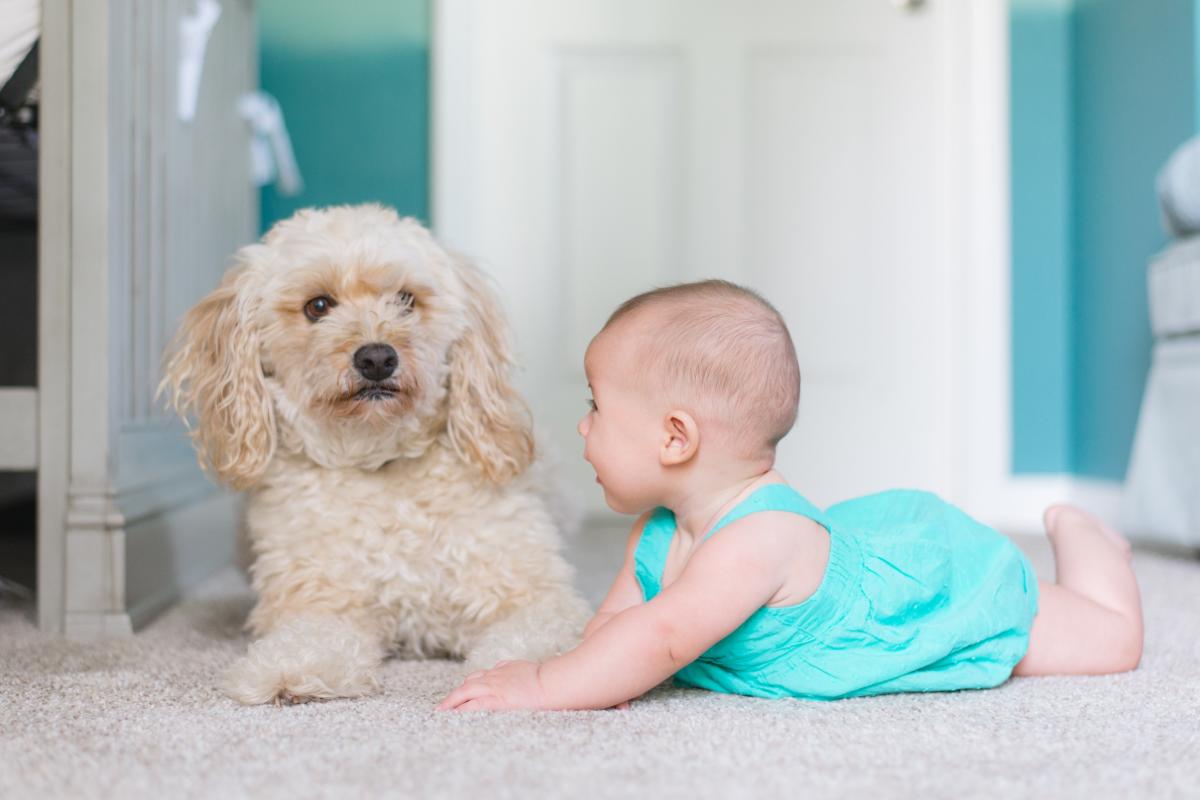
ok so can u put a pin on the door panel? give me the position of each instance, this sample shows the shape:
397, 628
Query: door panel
589, 150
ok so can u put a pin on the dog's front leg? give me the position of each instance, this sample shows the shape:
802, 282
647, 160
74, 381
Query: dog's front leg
533, 632
306, 657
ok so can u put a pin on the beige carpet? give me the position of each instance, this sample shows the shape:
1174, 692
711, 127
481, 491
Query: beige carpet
140, 718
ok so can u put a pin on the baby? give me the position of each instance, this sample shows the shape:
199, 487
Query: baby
733, 582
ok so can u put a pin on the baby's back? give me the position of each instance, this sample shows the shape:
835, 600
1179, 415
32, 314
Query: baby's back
915, 596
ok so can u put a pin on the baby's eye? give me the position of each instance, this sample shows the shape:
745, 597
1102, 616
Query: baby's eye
591, 404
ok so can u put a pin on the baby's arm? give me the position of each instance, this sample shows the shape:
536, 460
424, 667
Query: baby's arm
625, 591
724, 582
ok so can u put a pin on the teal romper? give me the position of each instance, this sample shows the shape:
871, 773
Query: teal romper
916, 597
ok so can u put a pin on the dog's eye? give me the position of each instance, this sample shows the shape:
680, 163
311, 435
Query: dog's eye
406, 301
318, 307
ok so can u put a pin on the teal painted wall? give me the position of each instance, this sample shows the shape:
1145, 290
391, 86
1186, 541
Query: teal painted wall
1040, 35
353, 82
1102, 91
1135, 102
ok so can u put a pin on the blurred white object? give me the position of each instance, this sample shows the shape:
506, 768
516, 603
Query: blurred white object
20, 25
271, 156
193, 40
1173, 282
1162, 488
1179, 189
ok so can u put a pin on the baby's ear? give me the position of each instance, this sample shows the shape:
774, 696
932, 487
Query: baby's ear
213, 373
488, 423
680, 438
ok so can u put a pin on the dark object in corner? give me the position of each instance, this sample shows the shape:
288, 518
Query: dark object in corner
15, 108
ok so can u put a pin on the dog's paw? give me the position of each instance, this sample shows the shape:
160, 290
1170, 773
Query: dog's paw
252, 683
303, 660
533, 633
286, 698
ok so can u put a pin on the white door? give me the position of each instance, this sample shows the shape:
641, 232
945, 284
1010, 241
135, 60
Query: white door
587, 150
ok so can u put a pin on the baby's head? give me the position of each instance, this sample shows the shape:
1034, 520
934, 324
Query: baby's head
706, 362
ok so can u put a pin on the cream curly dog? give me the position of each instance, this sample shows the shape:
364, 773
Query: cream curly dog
353, 376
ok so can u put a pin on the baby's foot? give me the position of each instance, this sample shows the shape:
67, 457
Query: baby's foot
1062, 516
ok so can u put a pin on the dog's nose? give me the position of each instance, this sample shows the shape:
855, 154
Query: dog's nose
375, 361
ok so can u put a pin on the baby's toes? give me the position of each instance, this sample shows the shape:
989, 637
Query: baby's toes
1050, 516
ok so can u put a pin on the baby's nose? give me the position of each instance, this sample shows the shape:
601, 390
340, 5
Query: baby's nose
582, 426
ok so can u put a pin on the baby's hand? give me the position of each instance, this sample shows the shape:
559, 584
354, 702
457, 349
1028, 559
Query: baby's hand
508, 685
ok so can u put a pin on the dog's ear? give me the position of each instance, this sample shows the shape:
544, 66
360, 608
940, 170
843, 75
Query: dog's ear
213, 373
488, 422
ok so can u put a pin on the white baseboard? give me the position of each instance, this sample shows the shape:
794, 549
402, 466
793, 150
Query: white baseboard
93, 625
1016, 505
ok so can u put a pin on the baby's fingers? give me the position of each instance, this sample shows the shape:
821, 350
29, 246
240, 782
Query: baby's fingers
463, 694
485, 703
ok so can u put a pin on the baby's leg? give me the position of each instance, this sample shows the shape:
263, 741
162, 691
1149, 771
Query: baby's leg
1089, 622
